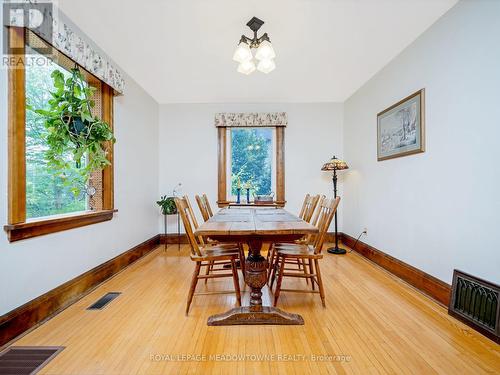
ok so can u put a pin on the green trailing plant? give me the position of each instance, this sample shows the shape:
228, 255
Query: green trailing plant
167, 205
74, 135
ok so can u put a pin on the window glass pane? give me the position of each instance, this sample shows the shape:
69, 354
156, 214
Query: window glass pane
46, 193
251, 159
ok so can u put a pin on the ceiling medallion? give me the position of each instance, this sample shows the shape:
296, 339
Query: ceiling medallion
264, 55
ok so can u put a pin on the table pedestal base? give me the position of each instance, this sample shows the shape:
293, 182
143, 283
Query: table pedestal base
247, 315
256, 277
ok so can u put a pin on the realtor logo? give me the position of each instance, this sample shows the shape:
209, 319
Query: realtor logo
35, 16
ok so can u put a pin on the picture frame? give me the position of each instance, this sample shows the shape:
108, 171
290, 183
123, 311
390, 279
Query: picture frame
401, 128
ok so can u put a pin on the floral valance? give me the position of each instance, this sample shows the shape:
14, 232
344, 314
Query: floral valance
252, 119
68, 39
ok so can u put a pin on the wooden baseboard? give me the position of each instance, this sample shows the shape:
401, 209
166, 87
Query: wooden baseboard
47, 305
330, 237
433, 287
173, 239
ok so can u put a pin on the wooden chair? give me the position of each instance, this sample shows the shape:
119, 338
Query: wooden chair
308, 207
206, 213
309, 254
204, 205
306, 213
302, 210
207, 205
208, 256
193, 218
314, 221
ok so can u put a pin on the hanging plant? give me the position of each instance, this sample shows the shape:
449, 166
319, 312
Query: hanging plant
167, 205
73, 130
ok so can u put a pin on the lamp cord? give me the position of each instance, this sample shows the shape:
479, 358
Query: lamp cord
356, 242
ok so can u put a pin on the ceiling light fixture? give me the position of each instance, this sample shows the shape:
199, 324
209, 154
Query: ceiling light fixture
265, 53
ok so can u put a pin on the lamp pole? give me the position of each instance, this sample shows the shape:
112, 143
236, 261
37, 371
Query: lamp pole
336, 249
334, 165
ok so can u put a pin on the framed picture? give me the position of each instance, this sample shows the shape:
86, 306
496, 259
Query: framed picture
401, 128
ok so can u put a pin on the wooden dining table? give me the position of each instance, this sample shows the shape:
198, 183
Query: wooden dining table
255, 226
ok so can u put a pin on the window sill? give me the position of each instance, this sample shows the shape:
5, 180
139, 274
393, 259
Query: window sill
222, 204
53, 224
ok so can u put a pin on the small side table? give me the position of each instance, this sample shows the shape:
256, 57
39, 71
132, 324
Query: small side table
178, 231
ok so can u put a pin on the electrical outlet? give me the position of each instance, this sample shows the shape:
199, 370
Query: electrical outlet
365, 231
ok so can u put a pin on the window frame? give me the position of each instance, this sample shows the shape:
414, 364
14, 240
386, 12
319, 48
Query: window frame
223, 198
18, 227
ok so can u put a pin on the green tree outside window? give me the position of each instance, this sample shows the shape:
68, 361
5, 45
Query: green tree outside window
251, 159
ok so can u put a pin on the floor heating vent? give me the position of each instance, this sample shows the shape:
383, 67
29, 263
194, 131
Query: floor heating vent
26, 360
103, 301
476, 303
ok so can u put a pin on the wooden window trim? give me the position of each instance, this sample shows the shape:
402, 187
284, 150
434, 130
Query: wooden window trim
16, 131
222, 200
18, 227
56, 223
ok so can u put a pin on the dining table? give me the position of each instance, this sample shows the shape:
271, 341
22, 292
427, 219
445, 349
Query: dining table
255, 226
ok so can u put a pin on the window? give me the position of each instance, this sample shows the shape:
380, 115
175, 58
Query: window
252, 160
254, 154
39, 202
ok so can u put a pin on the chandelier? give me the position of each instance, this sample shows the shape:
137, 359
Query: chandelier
264, 55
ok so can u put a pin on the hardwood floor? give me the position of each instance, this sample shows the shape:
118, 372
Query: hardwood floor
377, 322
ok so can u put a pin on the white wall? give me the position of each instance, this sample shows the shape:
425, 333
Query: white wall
438, 210
32, 267
188, 148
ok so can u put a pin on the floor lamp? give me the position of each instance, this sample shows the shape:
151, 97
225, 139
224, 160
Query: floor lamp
335, 165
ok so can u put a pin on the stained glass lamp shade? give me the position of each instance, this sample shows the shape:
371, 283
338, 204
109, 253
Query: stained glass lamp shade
335, 164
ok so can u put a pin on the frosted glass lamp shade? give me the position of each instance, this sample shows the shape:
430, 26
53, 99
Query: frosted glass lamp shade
242, 53
246, 67
266, 66
265, 51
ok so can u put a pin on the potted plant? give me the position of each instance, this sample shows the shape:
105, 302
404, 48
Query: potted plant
72, 129
167, 205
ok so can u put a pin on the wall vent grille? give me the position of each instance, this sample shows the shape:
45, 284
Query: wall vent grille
26, 360
103, 301
476, 302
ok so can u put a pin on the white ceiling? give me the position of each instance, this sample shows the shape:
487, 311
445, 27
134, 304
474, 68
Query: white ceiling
180, 51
